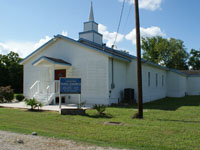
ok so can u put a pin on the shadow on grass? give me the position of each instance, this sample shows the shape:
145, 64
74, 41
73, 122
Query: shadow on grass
108, 116
173, 103
167, 103
183, 121
34, 110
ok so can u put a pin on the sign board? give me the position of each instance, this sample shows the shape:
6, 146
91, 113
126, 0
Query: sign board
70, 86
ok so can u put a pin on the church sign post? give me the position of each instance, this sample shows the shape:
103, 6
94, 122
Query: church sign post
69, 86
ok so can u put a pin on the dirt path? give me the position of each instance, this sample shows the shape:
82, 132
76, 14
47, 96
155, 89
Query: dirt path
9, 141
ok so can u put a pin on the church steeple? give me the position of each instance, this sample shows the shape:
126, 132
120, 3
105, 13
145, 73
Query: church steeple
91, 17
90, 32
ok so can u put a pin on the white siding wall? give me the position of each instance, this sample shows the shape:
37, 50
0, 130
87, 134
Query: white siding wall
151, 92
119, 70
95, 69
87, 35
90, 26
87, 64
91, 36
193, 87
154, 91
31, 75
131, 76
97, 38
177, 85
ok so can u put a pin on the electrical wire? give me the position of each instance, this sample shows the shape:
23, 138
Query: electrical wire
130, 9
119, 22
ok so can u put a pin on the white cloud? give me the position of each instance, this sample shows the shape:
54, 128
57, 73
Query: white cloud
147, 4
145, 32
23, 48
110, 36
41, 42
3, 48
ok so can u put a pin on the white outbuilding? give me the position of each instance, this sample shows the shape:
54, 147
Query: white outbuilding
104, 72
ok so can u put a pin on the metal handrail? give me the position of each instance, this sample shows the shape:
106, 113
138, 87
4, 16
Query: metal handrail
47, 87
34, 84
50, 89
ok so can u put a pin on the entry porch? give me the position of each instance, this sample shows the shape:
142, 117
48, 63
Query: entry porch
46, 88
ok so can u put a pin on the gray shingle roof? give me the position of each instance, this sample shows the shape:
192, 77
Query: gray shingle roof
57, 60
191, 72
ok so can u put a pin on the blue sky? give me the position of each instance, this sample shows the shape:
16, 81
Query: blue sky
27, 24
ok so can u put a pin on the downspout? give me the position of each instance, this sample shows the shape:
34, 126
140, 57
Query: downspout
112, 66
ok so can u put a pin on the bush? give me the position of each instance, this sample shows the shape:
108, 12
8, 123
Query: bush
100, 108
80, 105
1, 97
33, 103
6, 94
20, 97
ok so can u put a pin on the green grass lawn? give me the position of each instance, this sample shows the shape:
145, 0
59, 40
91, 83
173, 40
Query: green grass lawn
168, 124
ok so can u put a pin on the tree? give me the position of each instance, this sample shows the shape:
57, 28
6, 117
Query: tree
3, 72
194, 61
11, 72
170, 53
124, 51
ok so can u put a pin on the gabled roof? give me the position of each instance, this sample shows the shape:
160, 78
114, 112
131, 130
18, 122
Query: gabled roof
37, 50
60, 61
52, 60
105, 49
118, 53
102, 49
113, 54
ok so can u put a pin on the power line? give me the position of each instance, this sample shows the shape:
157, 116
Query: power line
119, 22
130, 9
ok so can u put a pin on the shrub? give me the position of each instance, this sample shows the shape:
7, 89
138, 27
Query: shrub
1, 97
100, 108
19, 97
33, 103
80, 105
6, 94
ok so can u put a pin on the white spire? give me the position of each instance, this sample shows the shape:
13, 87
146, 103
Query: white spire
91, 17
90, 32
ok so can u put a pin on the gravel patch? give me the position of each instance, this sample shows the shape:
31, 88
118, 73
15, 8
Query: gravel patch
15, 141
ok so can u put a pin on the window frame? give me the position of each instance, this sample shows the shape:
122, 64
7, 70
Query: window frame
162, 80
156, 79
149, 79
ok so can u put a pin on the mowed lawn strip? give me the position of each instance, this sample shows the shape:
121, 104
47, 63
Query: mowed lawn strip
170, 123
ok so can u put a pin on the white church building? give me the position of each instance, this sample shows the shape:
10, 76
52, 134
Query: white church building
104, 72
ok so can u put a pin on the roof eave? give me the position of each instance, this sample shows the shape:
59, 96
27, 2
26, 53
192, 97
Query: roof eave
110, 55
49, 60
37, 50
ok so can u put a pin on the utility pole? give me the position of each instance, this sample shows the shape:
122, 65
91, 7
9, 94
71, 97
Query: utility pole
139, 67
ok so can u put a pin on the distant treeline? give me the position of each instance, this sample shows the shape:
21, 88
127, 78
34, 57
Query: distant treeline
11, 72
170, 53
